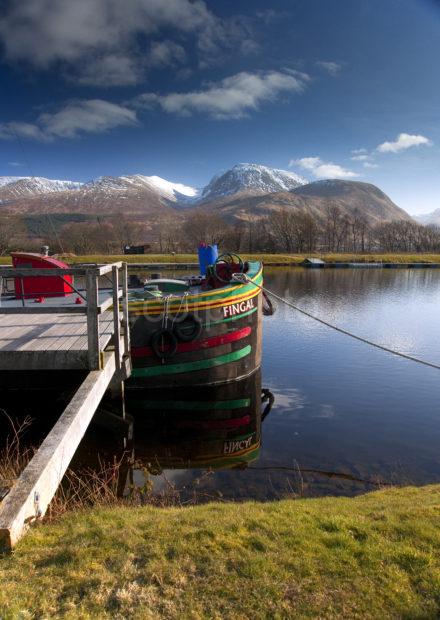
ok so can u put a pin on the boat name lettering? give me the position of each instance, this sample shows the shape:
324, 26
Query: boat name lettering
239, 308
236, 446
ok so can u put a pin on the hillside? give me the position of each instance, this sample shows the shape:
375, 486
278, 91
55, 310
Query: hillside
315, 198
245, 191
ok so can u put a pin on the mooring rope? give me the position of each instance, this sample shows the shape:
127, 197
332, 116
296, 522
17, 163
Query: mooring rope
243, 278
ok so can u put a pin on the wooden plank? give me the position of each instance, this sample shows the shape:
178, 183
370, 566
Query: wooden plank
73, 309
44, 360
105, 305
92, 319
31, 495
116, 317
125, 316
102, 270
16, 272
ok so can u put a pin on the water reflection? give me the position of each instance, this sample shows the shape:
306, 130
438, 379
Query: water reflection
208, 428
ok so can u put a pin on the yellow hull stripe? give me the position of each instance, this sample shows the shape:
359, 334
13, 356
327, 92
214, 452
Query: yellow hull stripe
221, 291
207, 305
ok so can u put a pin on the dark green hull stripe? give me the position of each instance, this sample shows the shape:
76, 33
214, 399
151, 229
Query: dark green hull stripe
173, 369
182, 405
231, 318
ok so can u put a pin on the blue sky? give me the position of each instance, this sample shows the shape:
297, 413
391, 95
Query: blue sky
184, 89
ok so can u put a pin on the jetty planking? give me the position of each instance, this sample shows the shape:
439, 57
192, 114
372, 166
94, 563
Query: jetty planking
62, 335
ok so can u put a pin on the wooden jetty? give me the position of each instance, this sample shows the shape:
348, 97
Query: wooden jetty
90, 335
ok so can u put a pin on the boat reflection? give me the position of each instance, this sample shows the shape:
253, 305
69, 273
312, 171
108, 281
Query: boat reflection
205, 427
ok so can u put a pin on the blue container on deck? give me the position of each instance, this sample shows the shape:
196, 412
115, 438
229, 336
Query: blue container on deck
208, 254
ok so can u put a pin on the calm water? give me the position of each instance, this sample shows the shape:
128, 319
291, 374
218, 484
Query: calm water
341, 407
344, 415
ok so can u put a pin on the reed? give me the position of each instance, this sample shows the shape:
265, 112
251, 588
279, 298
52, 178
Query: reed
14, 455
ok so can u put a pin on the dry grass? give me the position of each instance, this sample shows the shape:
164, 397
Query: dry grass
13, 456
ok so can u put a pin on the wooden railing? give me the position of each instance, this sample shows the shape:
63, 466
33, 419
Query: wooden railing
92, 307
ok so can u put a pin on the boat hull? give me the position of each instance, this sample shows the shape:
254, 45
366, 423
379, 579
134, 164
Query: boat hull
226, 348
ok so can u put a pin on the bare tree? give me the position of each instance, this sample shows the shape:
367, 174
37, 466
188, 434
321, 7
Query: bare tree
12, 229
205, 227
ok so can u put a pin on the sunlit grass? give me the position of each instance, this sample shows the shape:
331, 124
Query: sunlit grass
269, 259
374, 556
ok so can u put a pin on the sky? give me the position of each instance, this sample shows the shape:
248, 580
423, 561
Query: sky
185, 89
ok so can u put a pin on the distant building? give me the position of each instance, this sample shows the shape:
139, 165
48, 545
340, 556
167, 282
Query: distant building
313, 262
137, 249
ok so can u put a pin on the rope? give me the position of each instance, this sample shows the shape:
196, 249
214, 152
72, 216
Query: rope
184, 300
241, 277
47, 214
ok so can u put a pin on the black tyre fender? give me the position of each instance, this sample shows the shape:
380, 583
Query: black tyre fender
188, 328
268, 307
157, 340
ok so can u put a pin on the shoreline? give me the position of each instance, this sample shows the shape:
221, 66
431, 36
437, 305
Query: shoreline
270, 260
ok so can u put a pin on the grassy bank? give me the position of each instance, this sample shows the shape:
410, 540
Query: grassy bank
374, 556
269, 259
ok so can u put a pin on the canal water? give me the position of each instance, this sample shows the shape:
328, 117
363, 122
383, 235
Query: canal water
339, 417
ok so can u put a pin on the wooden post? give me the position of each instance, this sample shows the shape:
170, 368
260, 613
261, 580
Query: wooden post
92, 319
125, 310
116, 320
31, 495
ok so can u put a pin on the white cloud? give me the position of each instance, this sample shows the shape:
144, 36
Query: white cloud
8, 131
233, 97
15, 164
107, 42
110, 70
321, 169
333, 68
75, 118
164, 53
360, 157
402, 142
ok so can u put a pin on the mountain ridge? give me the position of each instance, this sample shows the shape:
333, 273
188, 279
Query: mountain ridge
243, 192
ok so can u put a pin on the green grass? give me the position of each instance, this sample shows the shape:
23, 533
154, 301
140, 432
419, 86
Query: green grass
269, 259
374, 556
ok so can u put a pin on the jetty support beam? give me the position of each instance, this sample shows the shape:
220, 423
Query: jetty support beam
30, 496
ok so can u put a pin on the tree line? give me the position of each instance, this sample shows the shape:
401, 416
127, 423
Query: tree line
282, 231
297, 232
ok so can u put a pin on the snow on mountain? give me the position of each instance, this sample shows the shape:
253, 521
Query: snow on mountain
15, 187
7, 180
252, 178
174, 192
428, 219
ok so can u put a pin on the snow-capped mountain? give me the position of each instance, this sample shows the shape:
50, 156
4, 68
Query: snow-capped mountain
7, 180
15, 187
243, 191
174, 192
251, 178
428, 219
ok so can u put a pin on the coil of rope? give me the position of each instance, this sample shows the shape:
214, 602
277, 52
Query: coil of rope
244, 279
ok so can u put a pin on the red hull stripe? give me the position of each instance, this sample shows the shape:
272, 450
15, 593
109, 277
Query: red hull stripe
207, 343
